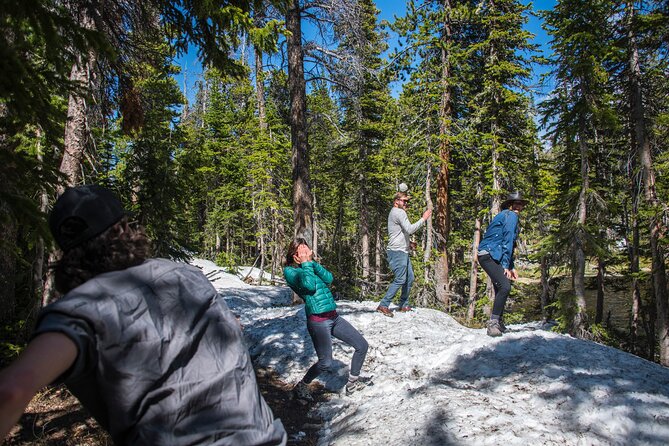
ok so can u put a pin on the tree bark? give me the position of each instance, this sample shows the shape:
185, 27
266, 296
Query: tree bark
7, 265
364, 200
601, 274
633, 252
314, 240
378, 260
260, 90
474, 270
494, 206
579, 322
40, 252
545, 286
76, 126
641, 143
443, 219
364, 238
75, 137
302, 199
428, 224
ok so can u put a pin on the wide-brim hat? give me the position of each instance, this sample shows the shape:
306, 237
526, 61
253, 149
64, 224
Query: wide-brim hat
83, 212
512, 198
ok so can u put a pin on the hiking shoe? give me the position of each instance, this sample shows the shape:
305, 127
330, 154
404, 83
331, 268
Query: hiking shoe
302, 392
384, 311
502, 327
360, 383
405, 309
493, 328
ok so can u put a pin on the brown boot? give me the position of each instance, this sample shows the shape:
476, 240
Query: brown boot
384, 311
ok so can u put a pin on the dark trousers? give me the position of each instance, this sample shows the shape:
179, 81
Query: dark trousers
321, 335
500, 282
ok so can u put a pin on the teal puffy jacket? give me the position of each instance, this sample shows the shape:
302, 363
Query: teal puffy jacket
311, 282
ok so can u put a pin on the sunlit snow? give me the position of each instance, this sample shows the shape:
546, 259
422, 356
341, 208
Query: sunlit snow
439, 383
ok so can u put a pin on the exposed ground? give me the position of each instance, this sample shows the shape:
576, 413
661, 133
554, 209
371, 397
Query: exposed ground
55, 418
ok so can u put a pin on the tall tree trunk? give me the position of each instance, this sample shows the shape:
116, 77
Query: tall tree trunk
545, 286
314, 240
633, 253
378, 260
302, 199
428, 224
601, 274
7, 265
495, 205
40, 249
364, 238
641, 143
579, 322
364, 199
474, 270
279, 242
76, 126
260, 90
76, 135
443, 218
261, 241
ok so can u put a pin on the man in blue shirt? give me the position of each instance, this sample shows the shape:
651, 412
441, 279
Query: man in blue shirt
495, 255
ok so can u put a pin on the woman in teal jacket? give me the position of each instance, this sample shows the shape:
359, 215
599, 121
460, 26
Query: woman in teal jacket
311, 281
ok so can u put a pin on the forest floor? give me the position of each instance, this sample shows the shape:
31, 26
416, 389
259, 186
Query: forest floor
55, 418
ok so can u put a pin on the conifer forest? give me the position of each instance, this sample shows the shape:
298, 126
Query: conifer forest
307, 117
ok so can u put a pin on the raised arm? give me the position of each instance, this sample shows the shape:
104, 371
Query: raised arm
45, 358
301, 279
322, 273
406, 225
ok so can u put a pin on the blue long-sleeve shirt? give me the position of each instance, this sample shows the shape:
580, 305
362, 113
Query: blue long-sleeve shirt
500, 238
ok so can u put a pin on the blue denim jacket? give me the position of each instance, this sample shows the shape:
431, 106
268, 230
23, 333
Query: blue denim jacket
500, 238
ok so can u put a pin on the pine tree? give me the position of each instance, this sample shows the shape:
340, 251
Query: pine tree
302, 198
501, 123
639, 30
364, 98
580, 111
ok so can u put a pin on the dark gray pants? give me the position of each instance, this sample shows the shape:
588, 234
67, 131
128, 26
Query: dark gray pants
321, 335
500, 282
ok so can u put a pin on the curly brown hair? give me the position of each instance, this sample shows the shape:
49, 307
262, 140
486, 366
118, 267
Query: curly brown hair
120, 246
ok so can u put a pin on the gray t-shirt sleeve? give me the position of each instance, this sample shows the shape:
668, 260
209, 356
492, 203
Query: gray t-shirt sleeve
79, 332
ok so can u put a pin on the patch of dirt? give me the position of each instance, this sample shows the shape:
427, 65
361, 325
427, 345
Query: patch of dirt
55, 418
299, 417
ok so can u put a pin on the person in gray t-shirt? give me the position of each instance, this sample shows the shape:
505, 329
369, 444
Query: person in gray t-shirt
146, 345
399, 244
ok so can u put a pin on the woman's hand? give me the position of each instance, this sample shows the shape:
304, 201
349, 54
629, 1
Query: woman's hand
511, 274
303, 254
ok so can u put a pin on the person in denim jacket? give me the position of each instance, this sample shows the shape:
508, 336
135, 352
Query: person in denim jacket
495, 255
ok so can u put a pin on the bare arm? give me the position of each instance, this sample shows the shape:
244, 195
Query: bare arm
47, 357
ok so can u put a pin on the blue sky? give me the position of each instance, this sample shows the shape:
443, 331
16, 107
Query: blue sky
389, 9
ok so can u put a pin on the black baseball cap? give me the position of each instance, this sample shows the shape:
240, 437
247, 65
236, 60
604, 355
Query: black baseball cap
81, 213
